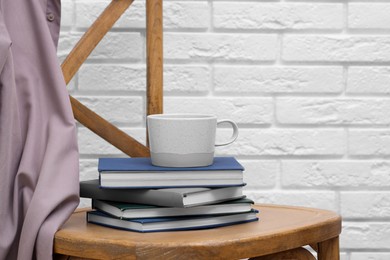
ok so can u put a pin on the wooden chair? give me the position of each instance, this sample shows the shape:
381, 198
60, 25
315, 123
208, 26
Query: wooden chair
280, 233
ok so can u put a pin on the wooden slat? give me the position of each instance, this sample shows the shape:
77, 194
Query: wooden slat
154, 28
73, 62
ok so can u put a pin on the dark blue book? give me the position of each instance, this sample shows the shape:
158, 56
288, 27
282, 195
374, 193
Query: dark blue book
171, 223
131, 210
140, 173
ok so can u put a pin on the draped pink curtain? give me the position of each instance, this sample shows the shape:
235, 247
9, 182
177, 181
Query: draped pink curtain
38, 145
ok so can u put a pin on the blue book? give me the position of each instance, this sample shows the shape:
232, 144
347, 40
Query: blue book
171, 223
140, 173
145, 164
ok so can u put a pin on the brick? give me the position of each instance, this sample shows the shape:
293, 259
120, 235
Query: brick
239, 110
316, 199
91, 144
331, 111
71, 87
335, 173
369, 15
186, 15
87, 12
369, 255
66, 42
118, 77
368, 80
365, 235
116, 109
132, 77
285, 142
295, 16
372, 143
114, 45
84, 203
224, 47
260, 173
187, 79
89, 169
376, 204
67, 8
260, 79
336, 48
177, 15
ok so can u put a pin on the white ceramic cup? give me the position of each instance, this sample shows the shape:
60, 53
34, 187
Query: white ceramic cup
184, 140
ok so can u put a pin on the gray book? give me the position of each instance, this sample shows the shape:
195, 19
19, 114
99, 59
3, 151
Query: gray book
170, 197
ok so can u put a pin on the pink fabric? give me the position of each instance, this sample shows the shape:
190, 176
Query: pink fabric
38, 146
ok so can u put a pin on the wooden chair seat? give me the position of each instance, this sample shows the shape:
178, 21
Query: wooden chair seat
280, 228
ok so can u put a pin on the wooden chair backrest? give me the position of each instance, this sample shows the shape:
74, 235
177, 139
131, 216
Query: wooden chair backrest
154, 86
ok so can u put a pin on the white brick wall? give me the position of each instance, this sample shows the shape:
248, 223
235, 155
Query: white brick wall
308, 82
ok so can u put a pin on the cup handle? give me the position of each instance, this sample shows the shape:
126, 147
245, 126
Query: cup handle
235, 131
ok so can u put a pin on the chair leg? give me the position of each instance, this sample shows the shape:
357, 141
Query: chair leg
293, 254
329, 249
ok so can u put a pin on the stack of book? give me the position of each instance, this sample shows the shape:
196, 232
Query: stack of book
133, 194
